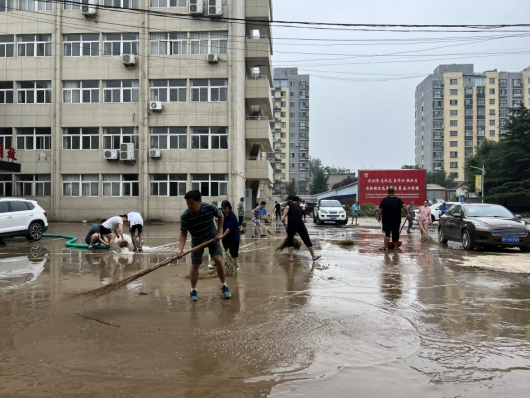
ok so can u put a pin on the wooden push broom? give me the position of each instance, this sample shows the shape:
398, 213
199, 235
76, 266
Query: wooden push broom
297, 244
114, 286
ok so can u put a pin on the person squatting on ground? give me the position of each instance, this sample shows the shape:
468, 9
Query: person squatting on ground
278, 213
293, 212
411, 212
113, 226
94, 236
198, 219
355, 212
256, 217
136, 224
390, 213
241, 211
425, 217
231, 231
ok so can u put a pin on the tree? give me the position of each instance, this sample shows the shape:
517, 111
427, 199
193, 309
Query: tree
319, 176
343, 182
439, 177
506, 162
332, 170
411, 167
291, 188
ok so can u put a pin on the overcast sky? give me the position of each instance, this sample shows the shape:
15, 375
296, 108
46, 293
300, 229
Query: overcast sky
362, 124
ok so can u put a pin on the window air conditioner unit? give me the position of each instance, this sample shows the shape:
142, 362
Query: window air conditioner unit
127, 151
196, 7
154, 153
212, 58
88, 8
155, 106
215, 8
110, 154
128, 60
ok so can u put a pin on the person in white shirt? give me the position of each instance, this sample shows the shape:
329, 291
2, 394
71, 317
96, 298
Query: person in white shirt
303, 206
136, 223
112, 226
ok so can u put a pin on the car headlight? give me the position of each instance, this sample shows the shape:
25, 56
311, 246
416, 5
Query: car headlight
527, 227
481, 226
324, 211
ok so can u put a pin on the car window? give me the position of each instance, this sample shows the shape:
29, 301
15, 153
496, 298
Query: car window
30, 205
4, 208
455, 210
18, 206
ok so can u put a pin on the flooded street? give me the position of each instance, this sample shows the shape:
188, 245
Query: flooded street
427, 321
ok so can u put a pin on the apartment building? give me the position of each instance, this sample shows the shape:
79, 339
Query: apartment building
291, 130
456, 109
114, 110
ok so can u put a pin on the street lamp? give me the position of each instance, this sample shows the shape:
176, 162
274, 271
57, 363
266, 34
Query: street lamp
483, 172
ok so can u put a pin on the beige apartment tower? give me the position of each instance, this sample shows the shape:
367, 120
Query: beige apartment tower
457, 109
116, 110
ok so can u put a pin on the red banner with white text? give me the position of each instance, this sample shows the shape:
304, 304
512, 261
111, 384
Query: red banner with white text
409, 185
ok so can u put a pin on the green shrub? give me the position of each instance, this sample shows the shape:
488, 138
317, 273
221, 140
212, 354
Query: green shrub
368, 210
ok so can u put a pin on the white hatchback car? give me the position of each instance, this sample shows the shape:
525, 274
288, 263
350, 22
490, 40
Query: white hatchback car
22, 217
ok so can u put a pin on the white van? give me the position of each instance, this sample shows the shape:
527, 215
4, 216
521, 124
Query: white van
329, 211
22, 217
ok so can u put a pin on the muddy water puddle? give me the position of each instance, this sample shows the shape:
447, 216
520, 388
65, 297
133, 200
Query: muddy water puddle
421, 322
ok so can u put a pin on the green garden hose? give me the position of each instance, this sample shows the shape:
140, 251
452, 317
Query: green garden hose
72, 241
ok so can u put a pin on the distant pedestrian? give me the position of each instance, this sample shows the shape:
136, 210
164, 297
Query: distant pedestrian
136, 224
411, 212
425, 217
277, 211
256, 219
198, 219
241, 211
293, 212
303, 206
355, 212
390, 213
231, 231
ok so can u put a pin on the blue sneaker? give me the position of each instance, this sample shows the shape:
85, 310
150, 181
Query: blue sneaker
226, 292
193, 295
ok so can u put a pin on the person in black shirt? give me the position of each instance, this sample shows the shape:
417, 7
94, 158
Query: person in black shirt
293, 212
277, 210
390, 213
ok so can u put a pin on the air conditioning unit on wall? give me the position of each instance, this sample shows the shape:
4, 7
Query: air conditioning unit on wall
88, 8
212, 58
129, 60
155, 106
215, 8
154, 153
196, 7
127, 151
110, 154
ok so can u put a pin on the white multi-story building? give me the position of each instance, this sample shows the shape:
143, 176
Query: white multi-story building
125, 109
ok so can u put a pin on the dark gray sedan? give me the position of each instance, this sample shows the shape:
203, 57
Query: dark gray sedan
483, 225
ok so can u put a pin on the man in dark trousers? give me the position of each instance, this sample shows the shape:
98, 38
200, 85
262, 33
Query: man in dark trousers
277, 210
390, 213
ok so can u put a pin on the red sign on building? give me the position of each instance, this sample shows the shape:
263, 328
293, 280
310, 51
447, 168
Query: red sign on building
409, 185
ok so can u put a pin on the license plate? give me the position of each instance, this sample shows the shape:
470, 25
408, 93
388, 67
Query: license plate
510, 240
333, 218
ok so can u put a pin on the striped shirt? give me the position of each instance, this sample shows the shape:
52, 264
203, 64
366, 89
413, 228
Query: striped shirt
201, 226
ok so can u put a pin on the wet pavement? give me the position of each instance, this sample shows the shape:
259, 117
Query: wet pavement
427, 321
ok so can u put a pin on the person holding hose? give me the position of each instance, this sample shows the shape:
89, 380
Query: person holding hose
293, 212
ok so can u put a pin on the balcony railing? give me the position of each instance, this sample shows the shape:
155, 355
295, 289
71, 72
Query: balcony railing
256, 118
256, 77
257, 37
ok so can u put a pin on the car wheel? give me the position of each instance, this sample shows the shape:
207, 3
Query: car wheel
442, 236
466, 240
343, 222
35, 232
524, 249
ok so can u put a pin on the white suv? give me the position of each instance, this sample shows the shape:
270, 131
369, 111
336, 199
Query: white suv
330, 211
22, 217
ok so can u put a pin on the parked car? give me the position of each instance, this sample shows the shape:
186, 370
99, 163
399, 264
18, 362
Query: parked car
329, 211
436, 210
483, 225
22, 217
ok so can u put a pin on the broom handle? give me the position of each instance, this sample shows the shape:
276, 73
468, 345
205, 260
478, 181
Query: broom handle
193, 249
403, 225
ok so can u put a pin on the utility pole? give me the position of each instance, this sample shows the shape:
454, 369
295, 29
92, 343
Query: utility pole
483, 172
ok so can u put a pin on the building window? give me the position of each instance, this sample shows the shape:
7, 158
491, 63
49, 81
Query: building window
480, 91
453, 143
453, 113
282, 114
453, 154
492, 91
303, 125
492, 112
211, 184
492, 101
6, 92
453, 91
113, 137
517, 82
469, 101
303, 84
492, 80
469, 153
81, 138
517, 92
168, 43
454, 175
453, 165
34, 92
168, 90
292, 104
72, 5
503, 103
209, 42
7, 46
29, 138
6, 185
120, 185
283, 125
282, 135
205, 90
168, 138
503, 112
122, 3
453, 102
282, 93
34, 185
34, 45
80, 184
81, 92
481, 122
82, 45
453, 122
492, 133
6, 137
120, 91
516, 103
210, 138
35, 5
453, 81
437, 104
437, 124
120, 43
481, 112
492, 122
167, 3
453, 133
503, 92
7, 6
481, 101
167, 184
